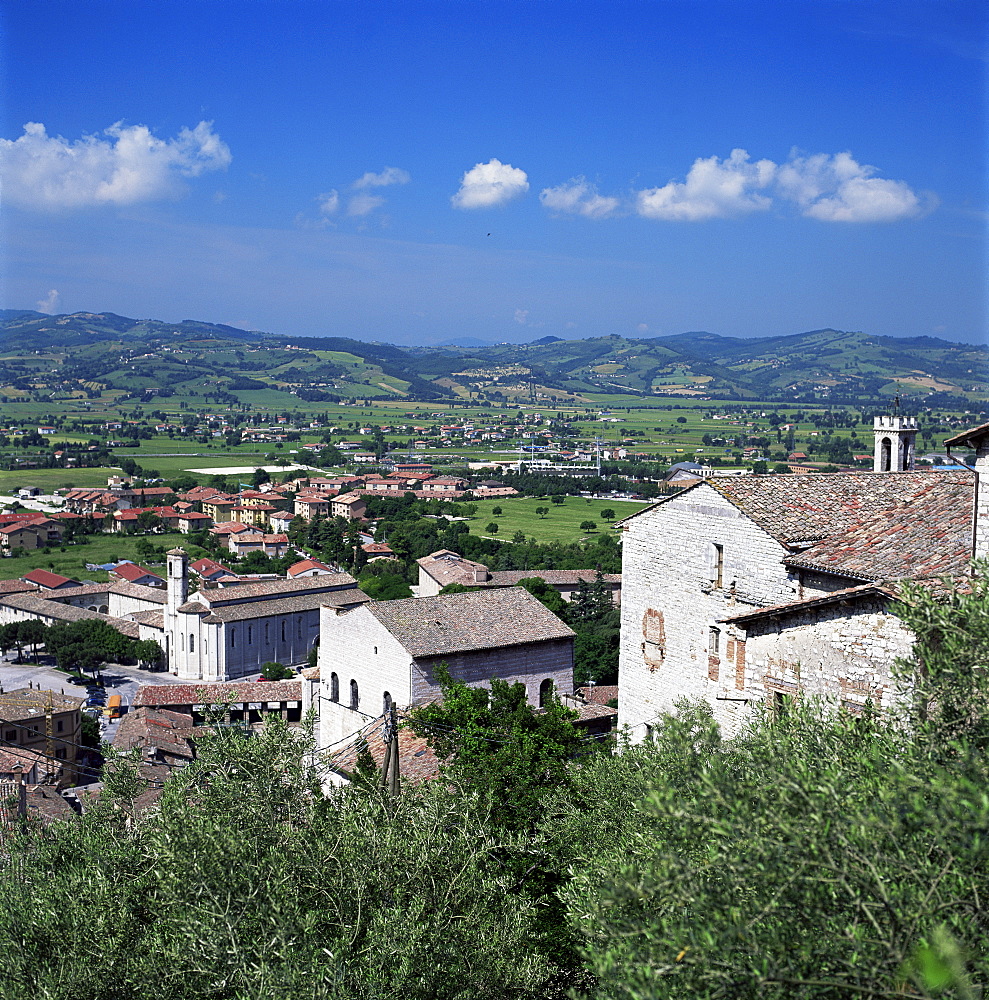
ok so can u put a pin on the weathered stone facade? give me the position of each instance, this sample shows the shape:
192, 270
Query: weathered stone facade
844, 650
688, 563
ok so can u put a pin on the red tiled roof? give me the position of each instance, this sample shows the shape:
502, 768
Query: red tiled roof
44, 578
160, 695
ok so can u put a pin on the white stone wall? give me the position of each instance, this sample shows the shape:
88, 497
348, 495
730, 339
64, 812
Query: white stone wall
428, 586
355, 646
842, 653
981, 546
122, 605
671, 601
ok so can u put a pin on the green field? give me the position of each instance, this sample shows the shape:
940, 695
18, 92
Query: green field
561, 524
53, 479
100, 549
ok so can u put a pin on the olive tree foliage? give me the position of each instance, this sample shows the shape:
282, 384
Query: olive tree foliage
820, 855
946, 680
246, 883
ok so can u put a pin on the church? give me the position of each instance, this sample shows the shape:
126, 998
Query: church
751, 591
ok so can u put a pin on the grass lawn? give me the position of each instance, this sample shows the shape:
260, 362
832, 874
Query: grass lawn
99, 549
561, 524
53, 479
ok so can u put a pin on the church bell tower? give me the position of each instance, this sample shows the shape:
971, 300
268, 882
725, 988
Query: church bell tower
895, 436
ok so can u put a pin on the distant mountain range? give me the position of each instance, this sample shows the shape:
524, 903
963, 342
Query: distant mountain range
106, 352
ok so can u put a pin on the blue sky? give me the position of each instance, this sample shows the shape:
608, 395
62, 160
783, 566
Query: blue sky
414, 172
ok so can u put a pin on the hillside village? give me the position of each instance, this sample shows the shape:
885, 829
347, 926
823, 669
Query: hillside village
739, 591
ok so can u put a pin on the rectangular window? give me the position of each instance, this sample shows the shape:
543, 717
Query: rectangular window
60, 754
60, 726
714, 641
719, 564
11, 734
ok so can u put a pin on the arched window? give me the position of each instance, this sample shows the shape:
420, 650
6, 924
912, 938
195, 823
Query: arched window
355, 698
192, 643
266, 639
545, 692
885, 455
233, 638
386, 703
334, 687
250, 634
298, 624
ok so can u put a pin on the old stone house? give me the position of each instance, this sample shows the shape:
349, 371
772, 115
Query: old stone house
386, 652
749, 591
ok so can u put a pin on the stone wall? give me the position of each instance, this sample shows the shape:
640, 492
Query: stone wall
687, 563
843, 653
530, 664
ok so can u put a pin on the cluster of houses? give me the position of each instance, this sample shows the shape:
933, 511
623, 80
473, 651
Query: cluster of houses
740, 591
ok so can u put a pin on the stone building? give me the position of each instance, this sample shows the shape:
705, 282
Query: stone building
443, 567
386, 652
748, 591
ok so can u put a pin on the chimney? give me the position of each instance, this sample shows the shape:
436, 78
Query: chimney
481, 574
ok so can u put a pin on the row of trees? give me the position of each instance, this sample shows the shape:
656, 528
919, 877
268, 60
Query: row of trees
82, 646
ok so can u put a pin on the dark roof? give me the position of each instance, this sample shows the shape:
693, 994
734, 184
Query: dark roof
927, 535
969, 437
287, 605
484, 619
266, 589
510, 577
835, 597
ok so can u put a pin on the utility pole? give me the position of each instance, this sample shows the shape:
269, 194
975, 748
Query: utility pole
390, 779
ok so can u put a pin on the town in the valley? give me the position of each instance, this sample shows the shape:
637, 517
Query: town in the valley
308, 596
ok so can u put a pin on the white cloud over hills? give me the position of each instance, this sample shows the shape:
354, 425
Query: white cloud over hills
123, 165
487, 185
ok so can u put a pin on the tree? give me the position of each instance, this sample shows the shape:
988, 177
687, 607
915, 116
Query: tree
274, 671
822, 855
542, 511
385, 587
148, 653
588, 526
557, 498
496, 511
492, 528
608, 514
494, 744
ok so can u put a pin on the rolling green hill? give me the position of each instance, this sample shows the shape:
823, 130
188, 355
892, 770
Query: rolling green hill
102, 355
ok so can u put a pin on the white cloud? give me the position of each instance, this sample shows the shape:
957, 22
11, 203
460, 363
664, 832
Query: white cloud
577, 197
838, 189
328, 202
387, 177
123, 165
831, 188
522, 316
50, 303
713, 189
487, 185
364, 204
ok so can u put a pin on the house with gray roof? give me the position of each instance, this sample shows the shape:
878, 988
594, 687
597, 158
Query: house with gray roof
754, 590
387, 652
